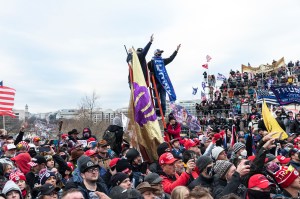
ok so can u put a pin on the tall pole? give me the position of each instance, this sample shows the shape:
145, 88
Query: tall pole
3, 117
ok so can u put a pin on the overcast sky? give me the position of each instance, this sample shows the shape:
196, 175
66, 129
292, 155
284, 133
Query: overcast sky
56, 52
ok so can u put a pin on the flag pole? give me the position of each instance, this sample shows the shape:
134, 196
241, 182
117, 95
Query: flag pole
3, 117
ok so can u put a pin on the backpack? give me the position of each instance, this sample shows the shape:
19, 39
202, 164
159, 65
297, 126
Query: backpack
110, 137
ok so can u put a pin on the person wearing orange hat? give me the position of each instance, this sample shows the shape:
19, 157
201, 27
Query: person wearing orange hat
170, 179
288, 179
36, 141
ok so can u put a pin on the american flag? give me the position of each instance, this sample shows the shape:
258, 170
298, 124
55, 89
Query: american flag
203, 96
7, 97
205, 66
208, 58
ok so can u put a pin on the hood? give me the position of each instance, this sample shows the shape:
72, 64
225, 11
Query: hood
22, 161
11, 186
114, 128
117, 121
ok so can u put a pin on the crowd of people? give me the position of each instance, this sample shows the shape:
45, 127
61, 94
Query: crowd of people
240, 89
210, 165
232, 158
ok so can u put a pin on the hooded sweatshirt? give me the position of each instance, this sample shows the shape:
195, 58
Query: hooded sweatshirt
11, 186
22, 161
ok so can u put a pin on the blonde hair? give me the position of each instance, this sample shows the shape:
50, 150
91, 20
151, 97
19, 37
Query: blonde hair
200, 193
178, 192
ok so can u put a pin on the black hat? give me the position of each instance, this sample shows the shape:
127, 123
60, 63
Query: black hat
47, 189
171, 117
74, 131
123, 165
118, 192
293, 151
84, 163
132, 154
118, 178
153, 178
162, 148
269, 157
39, 159
203, 161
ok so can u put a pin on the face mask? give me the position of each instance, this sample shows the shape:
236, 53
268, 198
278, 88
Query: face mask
272, 167
86, 135
244, 153
254, 194
209, 171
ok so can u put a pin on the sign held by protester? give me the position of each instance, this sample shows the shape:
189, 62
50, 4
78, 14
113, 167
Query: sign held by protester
287, 94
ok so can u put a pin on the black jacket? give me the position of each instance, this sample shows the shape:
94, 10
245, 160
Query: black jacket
142, 59
203, 182
222, 188
295, 127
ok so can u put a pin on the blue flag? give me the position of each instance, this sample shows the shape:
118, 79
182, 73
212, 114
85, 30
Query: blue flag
203, 85
1, 83
163, 77
195, 90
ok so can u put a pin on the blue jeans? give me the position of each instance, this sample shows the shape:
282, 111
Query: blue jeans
162, 95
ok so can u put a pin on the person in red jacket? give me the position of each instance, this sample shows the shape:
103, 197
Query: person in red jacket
173, 128
170, 179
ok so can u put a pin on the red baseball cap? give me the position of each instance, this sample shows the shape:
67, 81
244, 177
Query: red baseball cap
91, 139
258, 180
251, 158
90, 153
167, 158
113, 162
189, 143
282, 159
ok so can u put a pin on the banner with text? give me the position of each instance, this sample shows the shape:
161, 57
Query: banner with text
287, 94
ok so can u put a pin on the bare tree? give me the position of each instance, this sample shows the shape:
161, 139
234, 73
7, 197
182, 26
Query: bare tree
87, 108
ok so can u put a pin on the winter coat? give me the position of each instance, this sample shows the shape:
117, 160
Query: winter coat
203, 182
221, 187
174, 130
295, 127
170, 182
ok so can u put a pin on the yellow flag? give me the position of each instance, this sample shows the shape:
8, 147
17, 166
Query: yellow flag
141, 112
271, 123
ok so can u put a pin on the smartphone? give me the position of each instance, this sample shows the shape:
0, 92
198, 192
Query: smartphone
44, 149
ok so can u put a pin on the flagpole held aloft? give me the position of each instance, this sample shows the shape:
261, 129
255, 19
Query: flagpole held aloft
3, 117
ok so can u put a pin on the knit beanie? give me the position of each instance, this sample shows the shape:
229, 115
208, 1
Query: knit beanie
202, 162
118, 178
16, 176
216, 151
221, 167
44, 175
238, 146
11, 186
